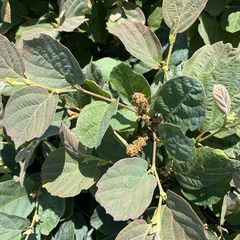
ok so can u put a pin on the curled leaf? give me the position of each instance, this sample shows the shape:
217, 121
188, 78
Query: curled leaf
222, 98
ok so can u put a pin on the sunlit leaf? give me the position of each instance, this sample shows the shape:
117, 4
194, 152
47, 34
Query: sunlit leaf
140, 41
29, 112
11, 63
180, 221
137, 229
222, 98
126, 82
126, 189
181, 101
181, 14
208, 167
12, 226
66, 175
94, 121
63, 69
178, 146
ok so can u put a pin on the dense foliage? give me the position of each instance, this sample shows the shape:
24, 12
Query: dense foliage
120, 119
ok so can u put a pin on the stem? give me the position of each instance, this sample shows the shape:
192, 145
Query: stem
172, 39
53, 90
162, 194
102, 98
199, 139
122, 140
35, 219
210, 135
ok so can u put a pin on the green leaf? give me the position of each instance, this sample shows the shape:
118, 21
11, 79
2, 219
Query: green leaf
105, 66
14, 199
28, 31
72, 14
179, 221
94, 121
155, 18
181, 101
124, 121
104, 223
93, 87
81, 229
137, 229
50, 210
208, 167
209, 195
140, 41
178, 146
126, 82
216, 64
233, 22
126, 189
50, 64
181, 14
11, 226
11, 63
65, 175
28, 114
65, 232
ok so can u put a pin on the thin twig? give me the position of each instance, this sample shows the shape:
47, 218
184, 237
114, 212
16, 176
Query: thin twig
82, 90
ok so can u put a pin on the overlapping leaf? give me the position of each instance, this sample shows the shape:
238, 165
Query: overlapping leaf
14, 199
104, 223
212, 65
140, 41
180, 221
11, 63
66, 231
71, 142
222, 98
94, 121
12, 226
29, 112
49, 63
181, 14
181, 101
72, 14
137, 229
126, 82
126, 189
65, 175
177, 145
208, 167
50, 210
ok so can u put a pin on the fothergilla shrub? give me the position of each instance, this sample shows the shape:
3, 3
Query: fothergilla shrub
120, 120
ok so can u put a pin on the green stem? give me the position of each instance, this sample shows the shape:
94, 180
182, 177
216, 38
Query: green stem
200, 138
53, 90
172, 39
121, 139
162, 194
35, 219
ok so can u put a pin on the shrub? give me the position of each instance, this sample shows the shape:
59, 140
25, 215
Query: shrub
108, 133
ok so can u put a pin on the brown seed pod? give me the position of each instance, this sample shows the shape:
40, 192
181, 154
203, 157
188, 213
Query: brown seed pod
140, 102
136, 146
